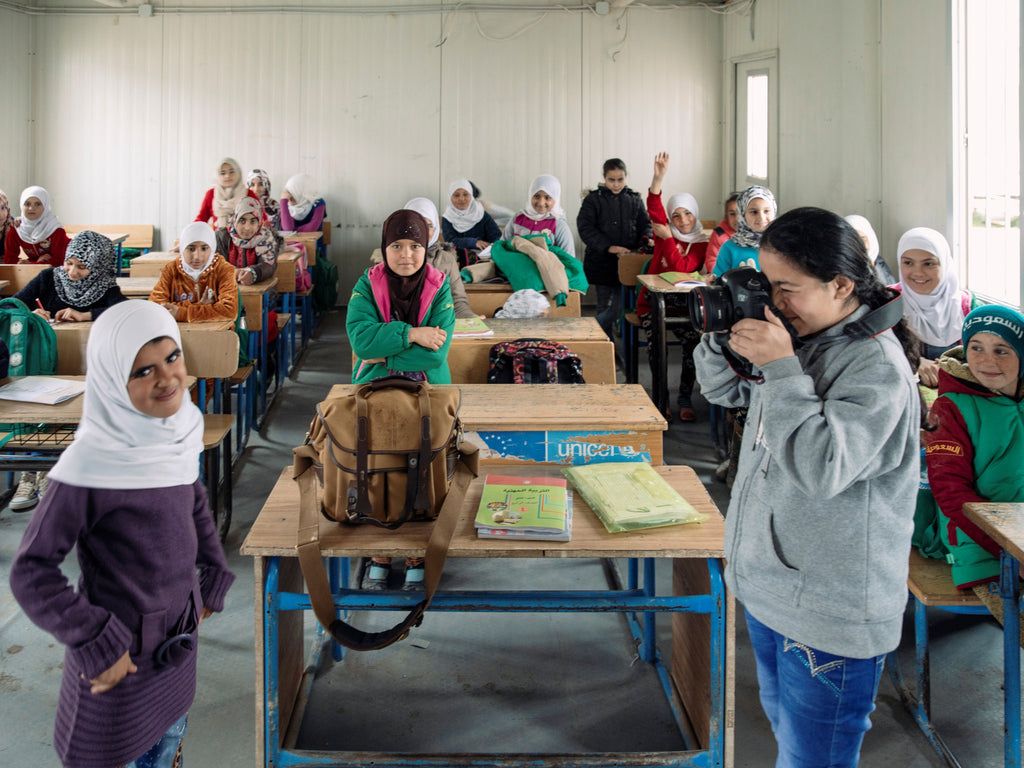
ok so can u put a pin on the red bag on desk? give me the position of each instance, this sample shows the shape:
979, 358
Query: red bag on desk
388, 453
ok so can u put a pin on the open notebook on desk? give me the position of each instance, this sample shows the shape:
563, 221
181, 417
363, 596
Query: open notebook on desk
46, 390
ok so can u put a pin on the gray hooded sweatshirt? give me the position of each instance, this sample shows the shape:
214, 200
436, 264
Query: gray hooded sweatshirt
822, 509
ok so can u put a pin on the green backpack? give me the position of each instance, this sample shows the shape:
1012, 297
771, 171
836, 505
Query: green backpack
325, 285
30, 339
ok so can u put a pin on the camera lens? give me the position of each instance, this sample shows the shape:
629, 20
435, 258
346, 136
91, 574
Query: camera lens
710, 309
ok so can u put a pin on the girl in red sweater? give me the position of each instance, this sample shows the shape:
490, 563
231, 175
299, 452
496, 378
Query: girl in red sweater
37, 232
220, 200
679, 246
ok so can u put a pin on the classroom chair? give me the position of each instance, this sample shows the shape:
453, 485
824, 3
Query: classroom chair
930, 585
631, 265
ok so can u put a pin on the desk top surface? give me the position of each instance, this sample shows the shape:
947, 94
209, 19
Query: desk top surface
561, 329
1004, 522
552, 407
203, 327
137, 286
68, 412
658, 284
259, 288
155, 257
274, 531
489, 287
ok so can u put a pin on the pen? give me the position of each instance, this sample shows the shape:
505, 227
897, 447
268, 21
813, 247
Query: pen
40, 305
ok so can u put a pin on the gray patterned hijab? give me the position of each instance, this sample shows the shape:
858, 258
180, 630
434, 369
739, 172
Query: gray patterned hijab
97, 254
745, 236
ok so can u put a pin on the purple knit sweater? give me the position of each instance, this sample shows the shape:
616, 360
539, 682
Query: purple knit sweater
150, 561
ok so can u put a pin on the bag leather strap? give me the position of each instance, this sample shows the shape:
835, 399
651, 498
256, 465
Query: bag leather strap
312, 564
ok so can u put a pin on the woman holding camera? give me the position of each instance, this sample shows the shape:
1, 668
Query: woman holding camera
821, 514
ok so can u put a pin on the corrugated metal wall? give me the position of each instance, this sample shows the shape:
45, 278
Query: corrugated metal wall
16, 73
131, 116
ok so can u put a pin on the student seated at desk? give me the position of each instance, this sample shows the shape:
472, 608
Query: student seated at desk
37, 232
400, 322
726, 229
6, 222
867, 234
441, 255
127, 498
82, 288
465, 224
220, 200
757, 209
250, 244
679, 246
258, 182
301, 209
976, 450
543, 214
198, 285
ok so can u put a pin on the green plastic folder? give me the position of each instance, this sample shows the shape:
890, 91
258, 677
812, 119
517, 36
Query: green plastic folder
630, 496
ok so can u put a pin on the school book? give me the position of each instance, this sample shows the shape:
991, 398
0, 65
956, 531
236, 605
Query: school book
629, 496
471, 326
45, 390
520, 535
679, 279
524, 504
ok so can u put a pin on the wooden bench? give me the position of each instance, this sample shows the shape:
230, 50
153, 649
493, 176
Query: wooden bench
18, 276
930, 583
139, 235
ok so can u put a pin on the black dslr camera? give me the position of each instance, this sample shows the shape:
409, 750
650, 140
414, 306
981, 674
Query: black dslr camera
736, 294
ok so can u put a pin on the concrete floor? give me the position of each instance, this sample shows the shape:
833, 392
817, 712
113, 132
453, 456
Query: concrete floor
480, 682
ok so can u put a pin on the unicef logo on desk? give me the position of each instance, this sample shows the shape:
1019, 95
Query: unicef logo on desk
564, 447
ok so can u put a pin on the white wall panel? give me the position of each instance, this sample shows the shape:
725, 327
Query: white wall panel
865, 110
135, 114
653, 82
16, 53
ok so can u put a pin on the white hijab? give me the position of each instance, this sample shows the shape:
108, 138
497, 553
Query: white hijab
427, 210
36, 231
863, 227
197, 231
936, 317
689, 202
226, 198
301, 187
463, 221
116, 445
553, 187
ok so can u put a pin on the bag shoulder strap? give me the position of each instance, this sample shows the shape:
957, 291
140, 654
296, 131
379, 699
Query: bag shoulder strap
315, 574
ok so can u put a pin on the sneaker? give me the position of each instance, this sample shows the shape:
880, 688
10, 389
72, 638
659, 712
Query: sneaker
375, 577
42, 483
687, 414
414, 575
27, 494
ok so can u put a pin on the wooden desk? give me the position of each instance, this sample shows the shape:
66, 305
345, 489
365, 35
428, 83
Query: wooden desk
3, 285
17, 276
1004, 523
705, 687
558, 424
488, 298
150, 264
256, 302
468, 355
137, 287
309, 239
662, 292
210, 349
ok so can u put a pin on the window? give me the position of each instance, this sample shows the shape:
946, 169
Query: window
988, 173
756, 122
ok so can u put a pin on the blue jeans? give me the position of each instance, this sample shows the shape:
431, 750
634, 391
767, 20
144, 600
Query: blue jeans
609, 308
819, 705
161, 754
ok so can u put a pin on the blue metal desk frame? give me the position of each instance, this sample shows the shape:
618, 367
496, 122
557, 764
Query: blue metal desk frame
991, 517
639, 602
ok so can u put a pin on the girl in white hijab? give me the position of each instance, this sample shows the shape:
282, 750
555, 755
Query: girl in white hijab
199, 285
38, 231
465, 223
543, 214
228, 189
867, 234
126, 497
933, 303
301, 209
